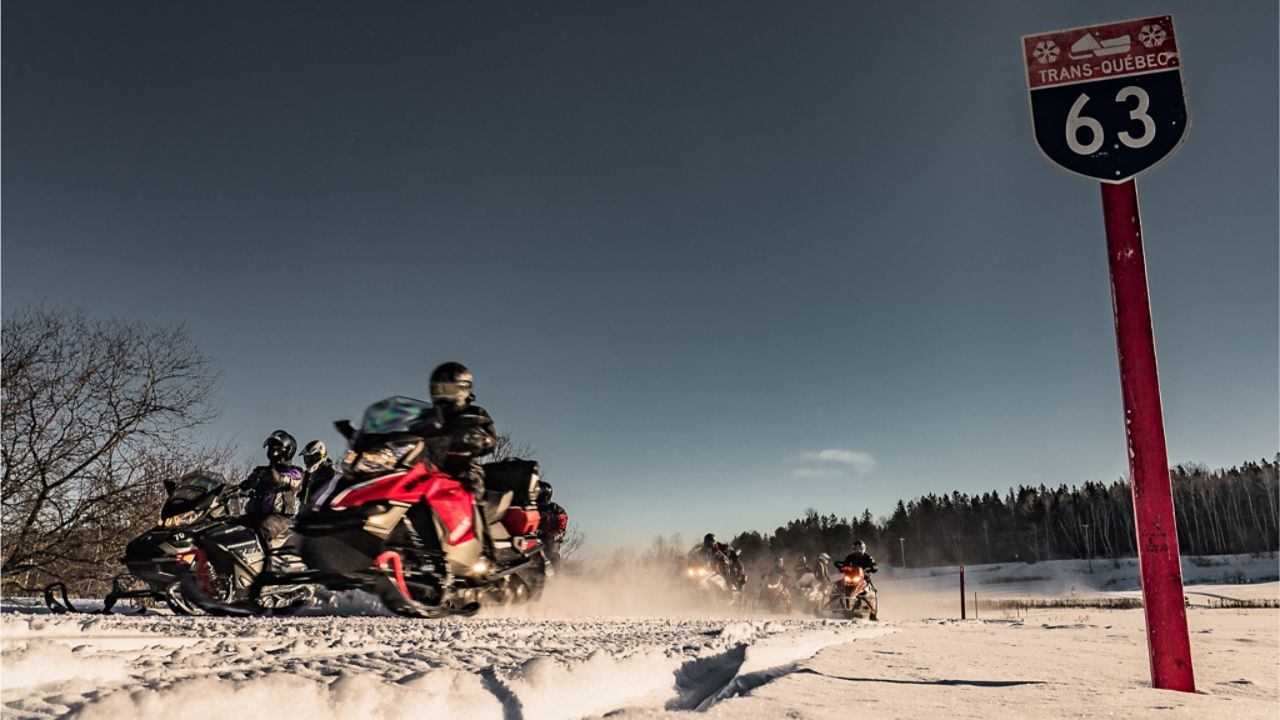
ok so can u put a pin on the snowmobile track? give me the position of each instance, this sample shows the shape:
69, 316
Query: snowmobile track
521, 669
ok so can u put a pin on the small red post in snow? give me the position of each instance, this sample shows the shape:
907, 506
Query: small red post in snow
1168, 643
962, 592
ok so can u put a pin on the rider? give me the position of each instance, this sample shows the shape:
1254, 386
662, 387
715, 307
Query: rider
822, 569
724, 559
860, 558
553, 523
272, 489
802, 568
319, 470
777, 573
469, 426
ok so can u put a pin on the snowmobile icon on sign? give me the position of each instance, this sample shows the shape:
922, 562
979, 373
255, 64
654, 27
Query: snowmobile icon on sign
1107, 101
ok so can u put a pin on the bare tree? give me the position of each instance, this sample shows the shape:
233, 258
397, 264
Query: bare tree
507, 449
95, 414
571, 543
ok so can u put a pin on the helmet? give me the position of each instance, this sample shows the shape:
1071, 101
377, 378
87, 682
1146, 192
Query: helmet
709, 539
782, 564
451, 385
313, 453
859, 546
544, 492
804, 559
824, 557
286, 444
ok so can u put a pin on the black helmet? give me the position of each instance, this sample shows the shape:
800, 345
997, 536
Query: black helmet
313, 453
544, 492
283, 440
709, 540
451, 385
859, 546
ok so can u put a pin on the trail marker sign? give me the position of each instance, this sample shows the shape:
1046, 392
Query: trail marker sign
1107, 101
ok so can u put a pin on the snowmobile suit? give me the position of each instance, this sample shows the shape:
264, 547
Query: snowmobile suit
472, 436
272, 499
314, 479
725, 561
862, 560
551, 528
821, 572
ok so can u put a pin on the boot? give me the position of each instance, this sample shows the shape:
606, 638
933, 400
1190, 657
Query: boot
482, 532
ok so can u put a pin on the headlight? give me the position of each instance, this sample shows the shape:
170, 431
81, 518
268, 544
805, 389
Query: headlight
180, 519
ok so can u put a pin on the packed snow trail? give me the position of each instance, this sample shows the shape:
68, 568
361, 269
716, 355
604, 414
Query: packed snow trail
627, 647
391, 667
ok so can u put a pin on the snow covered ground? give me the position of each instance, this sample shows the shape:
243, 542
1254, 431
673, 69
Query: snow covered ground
628, 646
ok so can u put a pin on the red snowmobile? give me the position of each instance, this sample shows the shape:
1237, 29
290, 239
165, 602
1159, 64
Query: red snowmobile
852, 595
775, 596
393, 524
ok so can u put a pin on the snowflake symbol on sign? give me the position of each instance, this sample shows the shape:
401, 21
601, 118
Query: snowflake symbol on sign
1046, 52
1152, 35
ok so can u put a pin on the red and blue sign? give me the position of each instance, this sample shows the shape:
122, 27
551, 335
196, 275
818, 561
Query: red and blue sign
1107, 101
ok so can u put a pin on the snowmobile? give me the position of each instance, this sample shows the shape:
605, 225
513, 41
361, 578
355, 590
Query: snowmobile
197, 515
157, 558
811, 591
393, 524
229, 570
716, 579
775, 596
852, 595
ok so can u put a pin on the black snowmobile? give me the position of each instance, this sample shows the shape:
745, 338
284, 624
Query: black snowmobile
197, 526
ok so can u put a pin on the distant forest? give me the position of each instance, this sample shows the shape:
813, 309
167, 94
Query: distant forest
1218, 512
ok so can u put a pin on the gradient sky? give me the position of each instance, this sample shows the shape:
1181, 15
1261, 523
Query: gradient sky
718, 262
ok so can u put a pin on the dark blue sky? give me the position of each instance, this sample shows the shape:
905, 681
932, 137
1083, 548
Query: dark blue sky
717, 262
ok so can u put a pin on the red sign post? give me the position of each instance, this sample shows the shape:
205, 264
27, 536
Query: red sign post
1107, 103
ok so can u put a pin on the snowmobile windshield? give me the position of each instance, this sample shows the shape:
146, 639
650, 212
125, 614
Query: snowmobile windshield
399, 415
193, 493
196, 486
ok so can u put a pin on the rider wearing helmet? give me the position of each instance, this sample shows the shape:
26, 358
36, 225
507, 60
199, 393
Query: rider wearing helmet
272, 489
712, 547
469, 426
777, 573
860, 558
802, 567
822, 568
553, 523
724, 559
319, 470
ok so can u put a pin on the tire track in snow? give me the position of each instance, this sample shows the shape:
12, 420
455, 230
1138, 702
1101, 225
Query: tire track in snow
705, 681
530, 668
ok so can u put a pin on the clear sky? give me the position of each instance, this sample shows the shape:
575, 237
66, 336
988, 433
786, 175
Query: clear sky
718, 262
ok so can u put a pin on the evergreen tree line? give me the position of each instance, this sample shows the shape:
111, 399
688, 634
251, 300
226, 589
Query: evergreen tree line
1218, 512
